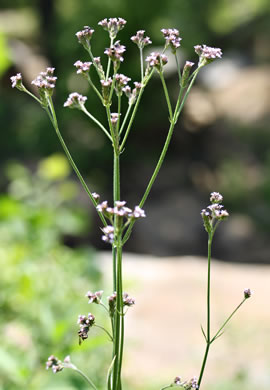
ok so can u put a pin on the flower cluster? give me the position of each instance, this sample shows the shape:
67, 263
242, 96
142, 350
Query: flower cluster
132, 94
140, 40
115, 52
94, 297
55, 364
172, 38
192, 384
120, 210
108, 235
247, 293
213, 212
99, 67
127, 301
114, 118
113, 25
112, 303
82, 67
84, 36
17, 81
185, 75
45, 82
120, 82
156, 60
85, 322
106, 89
75, 100
207, 54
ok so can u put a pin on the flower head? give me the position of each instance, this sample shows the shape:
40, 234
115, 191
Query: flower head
94, 297
45, 82
84, 36
115, 52
82, 67
172, 38
85, 322
120, 82
108, 234
112, 25
127, 300
247, 293
75, 100
156, 60
214, 212
186, 72
207, 54
54, 363
17, 81
140, 40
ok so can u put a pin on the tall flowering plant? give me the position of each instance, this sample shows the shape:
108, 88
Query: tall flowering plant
118, 219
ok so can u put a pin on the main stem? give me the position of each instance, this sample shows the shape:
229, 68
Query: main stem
118, 331
208, 337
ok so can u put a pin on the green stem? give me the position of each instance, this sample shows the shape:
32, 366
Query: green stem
178, 67
208, 337
95, 89
203, 364
109, 62
88, 380
158, 166
134, 112
166, 94
33, 96
96, 122
119, 114
141, 63
228, 319
125, 119
53, 119
101, 327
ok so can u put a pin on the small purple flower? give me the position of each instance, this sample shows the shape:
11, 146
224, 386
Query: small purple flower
84, 36
172, 38
138, 213
186, 71
17, 82
247, 293
75, 100
94, 297
106, 89
140, 40
45, 82
216, 197
108, 234
177, 381
127, 300
112, 25
114, 118
96, 196
99, 67
132, 95
102, 206
112, 303
115, 52
156, 60
85, 322
82, 67
207, 54
120, 82
55, 364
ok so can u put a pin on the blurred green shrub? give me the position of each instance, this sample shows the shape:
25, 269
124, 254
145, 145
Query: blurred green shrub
42, 281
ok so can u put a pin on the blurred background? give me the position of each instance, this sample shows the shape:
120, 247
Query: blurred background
49, 232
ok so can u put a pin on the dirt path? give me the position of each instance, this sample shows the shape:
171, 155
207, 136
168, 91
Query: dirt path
163, 336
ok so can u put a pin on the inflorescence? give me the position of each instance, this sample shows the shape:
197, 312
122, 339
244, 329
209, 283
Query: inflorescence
214, 213
191, 384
